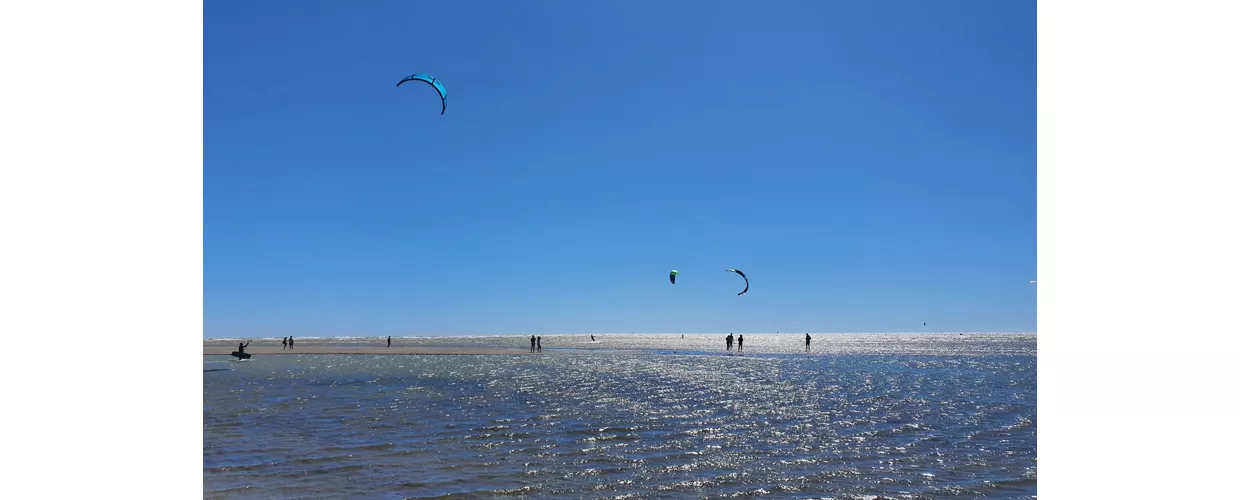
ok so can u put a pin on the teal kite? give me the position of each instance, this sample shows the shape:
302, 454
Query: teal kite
743, 276
434, 82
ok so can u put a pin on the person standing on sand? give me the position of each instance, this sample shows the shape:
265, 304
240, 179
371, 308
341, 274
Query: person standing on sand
290, 341
740, 343
389, 341
806, 342
284, 342
531, 343
540, 343
729, 341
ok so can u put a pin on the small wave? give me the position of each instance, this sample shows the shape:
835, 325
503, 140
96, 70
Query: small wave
522, 491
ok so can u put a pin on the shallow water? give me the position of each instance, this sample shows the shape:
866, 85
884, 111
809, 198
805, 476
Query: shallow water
757, 343
896, 416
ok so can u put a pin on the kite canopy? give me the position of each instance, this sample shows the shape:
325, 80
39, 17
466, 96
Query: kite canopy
672, 276
434, 82
743, 276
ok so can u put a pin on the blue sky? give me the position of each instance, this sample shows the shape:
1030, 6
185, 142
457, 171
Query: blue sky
870, 165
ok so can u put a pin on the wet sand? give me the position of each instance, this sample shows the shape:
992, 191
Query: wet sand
330, 349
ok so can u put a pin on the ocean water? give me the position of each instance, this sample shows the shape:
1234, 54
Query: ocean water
863, 416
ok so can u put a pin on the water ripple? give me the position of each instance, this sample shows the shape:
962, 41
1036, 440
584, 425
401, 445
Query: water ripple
862, 420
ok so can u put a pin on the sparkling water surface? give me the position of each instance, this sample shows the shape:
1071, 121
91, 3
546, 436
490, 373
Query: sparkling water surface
630, 416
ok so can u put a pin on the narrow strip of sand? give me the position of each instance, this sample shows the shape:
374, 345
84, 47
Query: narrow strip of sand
322, 349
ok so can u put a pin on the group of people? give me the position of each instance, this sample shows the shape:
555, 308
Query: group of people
287, 342
536, 343
740, 342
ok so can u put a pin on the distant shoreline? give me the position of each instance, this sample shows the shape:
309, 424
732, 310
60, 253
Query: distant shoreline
380, 338
785, 343
322, 349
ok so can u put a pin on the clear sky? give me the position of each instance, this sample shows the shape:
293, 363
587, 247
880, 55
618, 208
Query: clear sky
871, 165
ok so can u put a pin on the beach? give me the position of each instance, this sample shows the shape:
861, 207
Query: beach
865, 415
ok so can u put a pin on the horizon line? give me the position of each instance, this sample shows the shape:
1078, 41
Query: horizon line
618, 333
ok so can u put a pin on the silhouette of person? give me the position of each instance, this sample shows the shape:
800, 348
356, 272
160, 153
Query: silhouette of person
807, 342
389, 341
241, 347
591, 338
531, 343
729, 341
284, 342
290, 341
740, 343
539, 343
